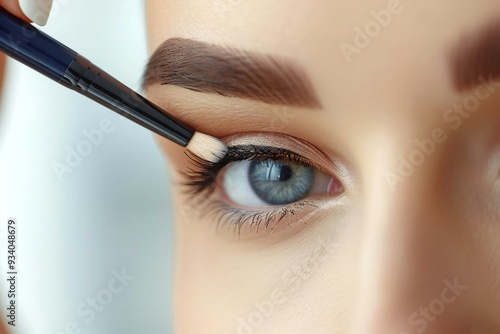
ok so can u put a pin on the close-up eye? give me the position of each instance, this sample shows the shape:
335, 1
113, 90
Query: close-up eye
250, 166
267, 182
260, 183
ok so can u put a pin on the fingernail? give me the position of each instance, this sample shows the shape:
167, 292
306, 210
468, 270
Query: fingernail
36, 10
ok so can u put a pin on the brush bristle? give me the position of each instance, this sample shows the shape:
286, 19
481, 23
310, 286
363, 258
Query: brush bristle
207, 147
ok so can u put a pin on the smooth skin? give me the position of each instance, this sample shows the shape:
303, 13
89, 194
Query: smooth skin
390, 254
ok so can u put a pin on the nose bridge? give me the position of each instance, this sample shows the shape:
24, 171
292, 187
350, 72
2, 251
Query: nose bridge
406, 269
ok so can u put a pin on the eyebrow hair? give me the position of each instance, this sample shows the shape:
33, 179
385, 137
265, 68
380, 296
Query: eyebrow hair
475, 57
208, 68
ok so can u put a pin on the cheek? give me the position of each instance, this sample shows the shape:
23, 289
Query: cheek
215, 281
277, 287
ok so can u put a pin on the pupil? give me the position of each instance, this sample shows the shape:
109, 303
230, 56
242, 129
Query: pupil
278, 172
285, 173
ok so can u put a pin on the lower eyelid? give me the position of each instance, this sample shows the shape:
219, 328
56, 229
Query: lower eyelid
243, 223
249, 224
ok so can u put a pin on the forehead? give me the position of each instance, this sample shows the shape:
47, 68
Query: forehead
317, 29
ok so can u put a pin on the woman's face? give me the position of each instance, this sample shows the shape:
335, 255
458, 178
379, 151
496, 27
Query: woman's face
362, 189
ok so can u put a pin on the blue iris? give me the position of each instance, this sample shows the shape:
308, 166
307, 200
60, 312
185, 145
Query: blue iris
280, 182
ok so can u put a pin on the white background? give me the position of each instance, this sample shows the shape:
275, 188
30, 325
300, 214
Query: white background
111, 212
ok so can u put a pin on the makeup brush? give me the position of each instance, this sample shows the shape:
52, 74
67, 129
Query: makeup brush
27, 44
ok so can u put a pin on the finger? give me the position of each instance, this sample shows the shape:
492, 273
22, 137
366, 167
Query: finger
13, 7
30, 10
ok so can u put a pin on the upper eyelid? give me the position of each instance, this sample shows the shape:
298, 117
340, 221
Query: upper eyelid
316, 158
206, 173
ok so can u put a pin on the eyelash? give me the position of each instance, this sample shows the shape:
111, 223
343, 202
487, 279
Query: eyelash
236, 218
201, 179
201, 182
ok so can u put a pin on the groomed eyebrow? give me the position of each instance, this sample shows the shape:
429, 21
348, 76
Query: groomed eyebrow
476, 57
208, 68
